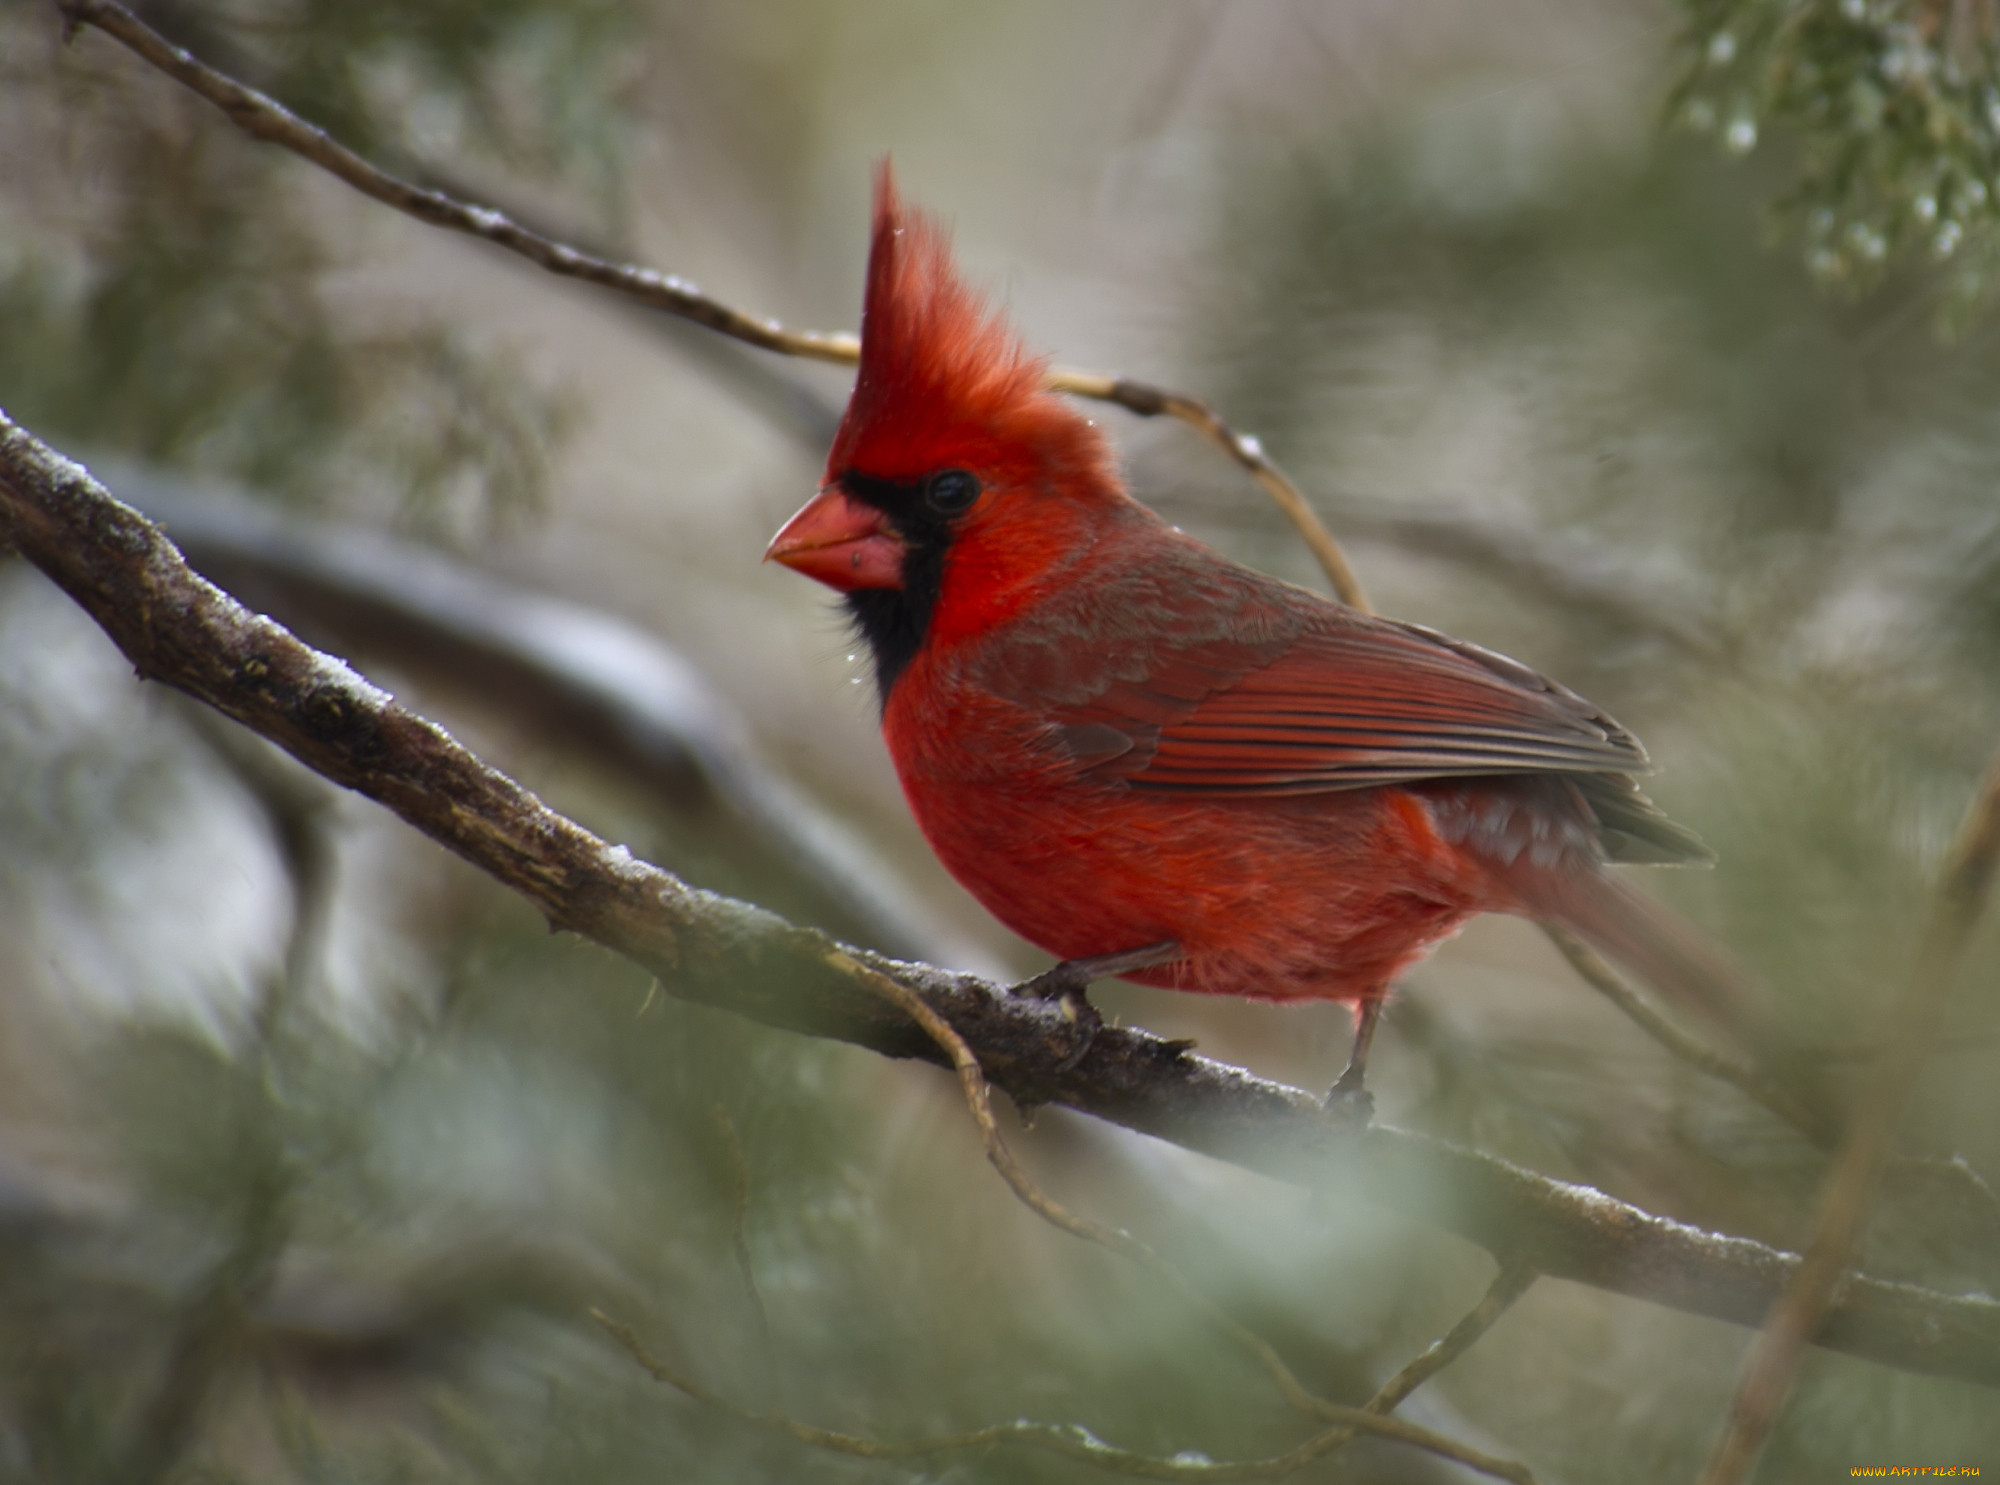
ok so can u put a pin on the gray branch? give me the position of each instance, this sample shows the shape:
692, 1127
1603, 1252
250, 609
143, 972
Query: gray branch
181, 630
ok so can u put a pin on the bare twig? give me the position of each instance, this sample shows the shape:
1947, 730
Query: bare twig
1768, 1370
212, 1322
1601, 977
1513, 1281
180, 630
1069, 1440
972, 1082
739, 1235
265, 118
210, 1333
1583, 579
297, 806
1150, 401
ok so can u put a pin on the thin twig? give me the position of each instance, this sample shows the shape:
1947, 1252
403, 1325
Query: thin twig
1613, 986
1151, 401
1070, 1440
298, 806
739, 1236
978, 1098
264, 118
1769, 1369
210, 1332
1513, 1281
1584, 579
1952, 1180
180, 630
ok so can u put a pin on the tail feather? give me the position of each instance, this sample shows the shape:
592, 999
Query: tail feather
1666, 953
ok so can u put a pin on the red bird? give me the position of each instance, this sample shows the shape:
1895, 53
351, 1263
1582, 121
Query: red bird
1153, 762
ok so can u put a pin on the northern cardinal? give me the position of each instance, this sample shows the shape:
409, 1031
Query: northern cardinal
1153, 762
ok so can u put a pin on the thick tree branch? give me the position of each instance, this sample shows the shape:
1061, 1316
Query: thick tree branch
265, 118
179, 629
625, 698
972, 1082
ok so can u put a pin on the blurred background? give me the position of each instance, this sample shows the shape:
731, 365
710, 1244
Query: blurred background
315, 1147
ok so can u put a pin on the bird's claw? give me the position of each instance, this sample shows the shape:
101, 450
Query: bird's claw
1068, 983
1057, 983
1069, 988
1349, 1101
1086, 1021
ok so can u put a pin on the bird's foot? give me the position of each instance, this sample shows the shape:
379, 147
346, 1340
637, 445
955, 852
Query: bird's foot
1069, 988
1349, 1100
1068, 984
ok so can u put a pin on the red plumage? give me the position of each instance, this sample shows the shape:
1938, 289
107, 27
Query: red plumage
942, 381
1114, 736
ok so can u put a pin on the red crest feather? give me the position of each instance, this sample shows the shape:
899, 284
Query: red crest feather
944, 381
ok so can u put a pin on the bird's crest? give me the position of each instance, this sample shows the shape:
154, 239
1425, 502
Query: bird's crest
944, 381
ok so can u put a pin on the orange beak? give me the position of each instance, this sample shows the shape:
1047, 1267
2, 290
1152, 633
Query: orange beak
841, 542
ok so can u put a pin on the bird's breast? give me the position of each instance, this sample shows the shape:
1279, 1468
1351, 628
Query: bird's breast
1324, 895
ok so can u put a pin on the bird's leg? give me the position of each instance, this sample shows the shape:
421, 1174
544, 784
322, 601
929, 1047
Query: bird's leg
1070, 981
1348, 1096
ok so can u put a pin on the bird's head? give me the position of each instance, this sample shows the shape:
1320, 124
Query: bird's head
950, 444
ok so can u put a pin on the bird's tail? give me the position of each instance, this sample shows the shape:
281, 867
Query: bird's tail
1666, 953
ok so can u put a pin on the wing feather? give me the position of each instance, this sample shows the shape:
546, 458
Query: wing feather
1342, 705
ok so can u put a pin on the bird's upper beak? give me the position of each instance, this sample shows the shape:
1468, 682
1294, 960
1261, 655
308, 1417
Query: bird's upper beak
840, 541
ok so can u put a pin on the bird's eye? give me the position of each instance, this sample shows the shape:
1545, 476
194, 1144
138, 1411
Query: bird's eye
950, 491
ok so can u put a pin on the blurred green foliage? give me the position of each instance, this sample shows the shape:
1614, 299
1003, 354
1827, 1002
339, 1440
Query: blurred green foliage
1893, 114
1616, 316
184, 313
520, 81
454, 1199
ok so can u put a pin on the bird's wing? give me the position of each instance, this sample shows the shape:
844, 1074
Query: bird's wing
1337, 706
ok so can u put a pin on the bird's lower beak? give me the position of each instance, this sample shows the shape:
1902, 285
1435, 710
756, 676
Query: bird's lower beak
840, 541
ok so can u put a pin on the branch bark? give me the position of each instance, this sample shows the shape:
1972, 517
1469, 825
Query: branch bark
606, 687
1347, 1421
181, 630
